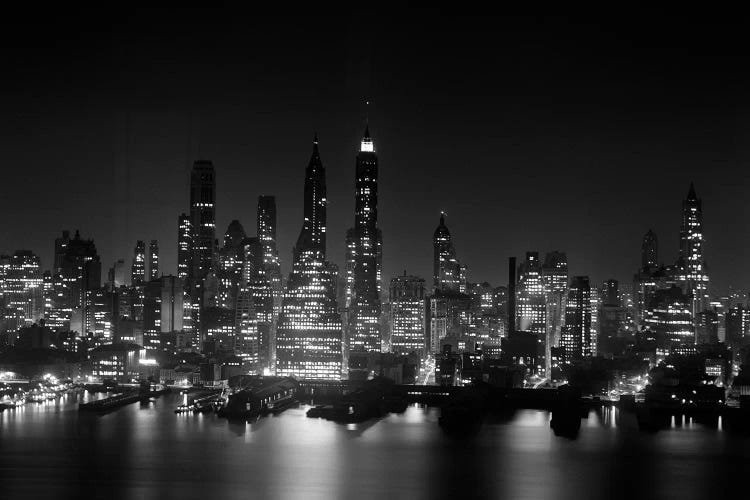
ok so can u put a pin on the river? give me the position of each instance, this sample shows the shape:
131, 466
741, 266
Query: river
50, 450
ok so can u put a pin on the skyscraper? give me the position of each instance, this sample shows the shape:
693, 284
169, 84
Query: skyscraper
309, 332
230, 265
61, 246
162, 309
138, 269
184, 272
577, 340
22, 289
351, 252
202, 217
649, 251
366, 308
532, 310
117, 274
266, 228
407, 314
668, 315
555, 280
153, 260
184, 245
312, 237
447, 274
691, 263
79, 272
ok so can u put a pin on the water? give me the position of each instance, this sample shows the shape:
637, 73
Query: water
49, 450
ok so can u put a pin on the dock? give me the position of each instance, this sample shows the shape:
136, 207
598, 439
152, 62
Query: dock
111, 402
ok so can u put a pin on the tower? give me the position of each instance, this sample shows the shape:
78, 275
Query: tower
532, 310
153, 260
366, 308
202, 217
649, 250
447, 274
184, 245
309, 331
138, 270
577, 341
266, 227
312, 237
407, 314
555, 280
692, 264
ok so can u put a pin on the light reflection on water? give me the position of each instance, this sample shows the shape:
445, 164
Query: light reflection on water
49, 450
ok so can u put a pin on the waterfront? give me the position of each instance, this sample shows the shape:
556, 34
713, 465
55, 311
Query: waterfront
50, 450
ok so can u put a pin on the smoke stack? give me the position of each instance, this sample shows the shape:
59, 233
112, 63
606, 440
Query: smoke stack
511, 296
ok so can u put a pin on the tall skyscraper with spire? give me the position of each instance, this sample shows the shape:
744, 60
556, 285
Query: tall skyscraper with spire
447, 272
691, 263
309, 331
364, 330
312, 237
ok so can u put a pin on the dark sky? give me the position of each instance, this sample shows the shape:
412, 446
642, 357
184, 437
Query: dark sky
533, 134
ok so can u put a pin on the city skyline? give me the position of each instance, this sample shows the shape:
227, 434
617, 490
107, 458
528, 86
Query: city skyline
666, 254
387, 274
373, 251
502, 144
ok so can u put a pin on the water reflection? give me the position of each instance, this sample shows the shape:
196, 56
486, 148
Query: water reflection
49, 450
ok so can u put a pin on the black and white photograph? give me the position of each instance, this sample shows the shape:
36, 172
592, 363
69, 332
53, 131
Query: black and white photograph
371, 251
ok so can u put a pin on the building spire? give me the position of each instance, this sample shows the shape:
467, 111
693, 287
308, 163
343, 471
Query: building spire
691, 193
315, 151
367, 144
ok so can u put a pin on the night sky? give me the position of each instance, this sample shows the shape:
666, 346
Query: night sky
533, 134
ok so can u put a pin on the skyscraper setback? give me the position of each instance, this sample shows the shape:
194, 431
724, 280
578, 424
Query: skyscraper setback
309, 332
364, 330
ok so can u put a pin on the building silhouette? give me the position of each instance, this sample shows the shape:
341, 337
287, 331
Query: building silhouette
649, 251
